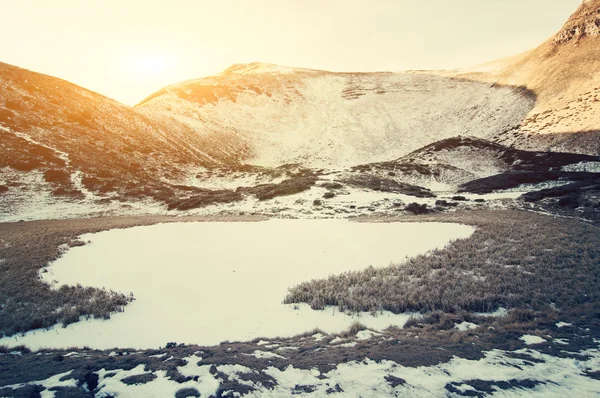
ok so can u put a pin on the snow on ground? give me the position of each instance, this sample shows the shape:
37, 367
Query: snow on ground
59, 380
318, 337
209, 179
563, 324
500, 312
62, 155
265, 354
587, 167
368, 378
322, 119
532, 340
501, 195
529, 373
30, 197
226, 280
42, 205
350, 201
561, 341
524, 188
161, 386
366, 334
464, 326
38, 202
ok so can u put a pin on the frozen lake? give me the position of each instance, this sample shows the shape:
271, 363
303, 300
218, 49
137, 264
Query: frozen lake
205, 283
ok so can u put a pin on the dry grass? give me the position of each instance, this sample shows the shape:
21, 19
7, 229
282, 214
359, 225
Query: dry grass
26, 302
514, 259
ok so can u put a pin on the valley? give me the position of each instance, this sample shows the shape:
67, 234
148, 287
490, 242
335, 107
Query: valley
278, 231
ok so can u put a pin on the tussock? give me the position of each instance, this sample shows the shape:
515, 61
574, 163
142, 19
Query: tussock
514, 259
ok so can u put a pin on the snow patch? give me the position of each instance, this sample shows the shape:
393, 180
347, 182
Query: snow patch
366, 334
265, 355
583, 167
53, 381
563, 324
532, 340
464, 326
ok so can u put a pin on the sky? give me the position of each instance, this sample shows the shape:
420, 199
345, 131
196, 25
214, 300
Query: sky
128, 49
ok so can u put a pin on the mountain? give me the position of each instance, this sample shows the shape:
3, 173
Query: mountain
258, 131
325, 119
564, 75
58, 138
462, 163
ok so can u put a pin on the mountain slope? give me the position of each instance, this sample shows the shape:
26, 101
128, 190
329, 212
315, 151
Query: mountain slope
448, 164
564, 74
260, 130
325, 119
58, 137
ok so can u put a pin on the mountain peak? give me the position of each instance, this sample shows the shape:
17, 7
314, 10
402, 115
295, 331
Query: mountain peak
259, 68
585, 22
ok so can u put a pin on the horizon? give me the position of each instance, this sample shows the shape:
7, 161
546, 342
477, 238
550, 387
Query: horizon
129, 55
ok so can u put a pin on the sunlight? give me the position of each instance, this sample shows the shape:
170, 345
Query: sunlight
150, 64
146, 70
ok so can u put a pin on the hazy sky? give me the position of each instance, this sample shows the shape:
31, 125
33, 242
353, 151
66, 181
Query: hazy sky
127, 49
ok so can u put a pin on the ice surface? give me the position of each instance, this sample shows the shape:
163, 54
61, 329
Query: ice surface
209, 282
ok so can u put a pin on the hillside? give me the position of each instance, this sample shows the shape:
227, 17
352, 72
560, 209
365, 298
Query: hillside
564, 74
258, 131
61, 140
332, 120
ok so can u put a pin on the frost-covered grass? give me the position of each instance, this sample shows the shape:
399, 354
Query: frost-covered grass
25, 248
437, 354
586, 167
514, 259
177, 271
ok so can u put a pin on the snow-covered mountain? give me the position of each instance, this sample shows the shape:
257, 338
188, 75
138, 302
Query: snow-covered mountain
564, 75
69, 142
324, 119
260, 131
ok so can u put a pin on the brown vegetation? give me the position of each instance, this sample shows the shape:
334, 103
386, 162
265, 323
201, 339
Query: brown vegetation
26, 302
514, 259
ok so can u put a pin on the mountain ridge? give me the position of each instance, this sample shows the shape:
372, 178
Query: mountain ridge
265, 123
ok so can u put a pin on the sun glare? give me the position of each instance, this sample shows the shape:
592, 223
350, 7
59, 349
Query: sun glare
146, 65
146, 70
151, 65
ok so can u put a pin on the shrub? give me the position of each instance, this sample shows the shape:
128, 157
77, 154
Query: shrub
288, 187
187, 392
513, 260
204, 199
59, 177
354, 328
332, 185
416, 208
139, 379
571, 201
388, 185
